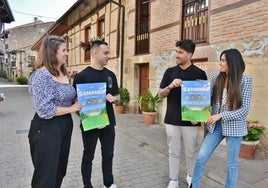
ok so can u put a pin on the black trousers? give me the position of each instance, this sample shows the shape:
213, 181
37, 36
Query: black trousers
50, 145
90, 138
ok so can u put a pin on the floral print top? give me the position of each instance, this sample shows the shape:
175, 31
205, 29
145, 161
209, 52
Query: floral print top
47, 94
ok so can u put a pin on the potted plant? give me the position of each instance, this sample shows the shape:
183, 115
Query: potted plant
251, 140
120, 107
85, 44
148, 105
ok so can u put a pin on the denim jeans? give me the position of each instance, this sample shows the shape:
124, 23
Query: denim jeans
211, 141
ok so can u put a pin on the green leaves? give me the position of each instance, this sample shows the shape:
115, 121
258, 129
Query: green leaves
254, 131
124, 96
148, 102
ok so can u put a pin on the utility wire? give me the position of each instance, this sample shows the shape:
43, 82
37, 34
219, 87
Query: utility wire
33, 15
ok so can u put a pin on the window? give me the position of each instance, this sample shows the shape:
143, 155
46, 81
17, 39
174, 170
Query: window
31, 60
2, 59
142, 27
13, 64
12, 57
195, 20
101, 27
87, 37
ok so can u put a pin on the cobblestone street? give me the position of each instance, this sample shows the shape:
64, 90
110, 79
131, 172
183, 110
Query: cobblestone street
140, 159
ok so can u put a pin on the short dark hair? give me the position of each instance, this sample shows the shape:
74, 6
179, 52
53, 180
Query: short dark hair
186, 44
97, 43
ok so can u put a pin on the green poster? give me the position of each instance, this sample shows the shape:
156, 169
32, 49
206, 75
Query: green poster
195, 100
91, 97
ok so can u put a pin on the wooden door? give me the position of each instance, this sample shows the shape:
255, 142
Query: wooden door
144, 78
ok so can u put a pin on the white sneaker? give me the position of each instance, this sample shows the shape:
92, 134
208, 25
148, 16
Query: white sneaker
112, 186
189, 180
173, 184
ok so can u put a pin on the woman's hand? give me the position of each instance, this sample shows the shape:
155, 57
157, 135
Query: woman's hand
213, 119
75, 107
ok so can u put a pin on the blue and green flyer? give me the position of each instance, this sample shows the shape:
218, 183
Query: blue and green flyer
91, 96
195, 100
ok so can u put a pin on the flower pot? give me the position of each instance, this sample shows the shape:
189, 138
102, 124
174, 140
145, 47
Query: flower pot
149, 117
247, 149
120, 109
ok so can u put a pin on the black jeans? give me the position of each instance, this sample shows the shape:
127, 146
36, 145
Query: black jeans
50, 145
90, 138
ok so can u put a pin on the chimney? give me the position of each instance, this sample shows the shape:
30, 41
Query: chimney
35, 20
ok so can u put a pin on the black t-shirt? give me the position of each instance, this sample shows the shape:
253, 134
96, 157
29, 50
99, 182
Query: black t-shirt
173, 112
91, 75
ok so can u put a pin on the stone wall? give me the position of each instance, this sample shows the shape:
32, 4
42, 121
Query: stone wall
254, 53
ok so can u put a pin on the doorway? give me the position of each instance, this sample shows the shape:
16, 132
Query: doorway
143, 78
141, 82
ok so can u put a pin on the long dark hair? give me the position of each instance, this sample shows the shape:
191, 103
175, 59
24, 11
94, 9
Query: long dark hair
47, 54
233, 78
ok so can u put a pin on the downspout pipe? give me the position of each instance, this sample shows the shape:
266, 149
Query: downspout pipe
122, 40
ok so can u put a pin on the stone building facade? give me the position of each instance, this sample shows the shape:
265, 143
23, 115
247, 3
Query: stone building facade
19, 40
231, 24
6, 17
142, 35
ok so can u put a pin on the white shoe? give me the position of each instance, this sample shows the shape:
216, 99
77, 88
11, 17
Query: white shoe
112, 186
189, 180
173, 184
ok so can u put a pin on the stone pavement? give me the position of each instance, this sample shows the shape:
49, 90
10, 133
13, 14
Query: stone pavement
252, 173
140, 153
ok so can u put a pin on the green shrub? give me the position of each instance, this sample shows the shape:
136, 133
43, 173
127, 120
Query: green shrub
124, 96
3, 74
22, 80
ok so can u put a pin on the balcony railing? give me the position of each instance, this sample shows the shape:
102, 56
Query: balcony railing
142, 37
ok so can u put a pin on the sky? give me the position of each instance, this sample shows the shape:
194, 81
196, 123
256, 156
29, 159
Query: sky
24, 11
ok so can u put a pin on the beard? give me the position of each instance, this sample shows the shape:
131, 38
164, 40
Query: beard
179, 62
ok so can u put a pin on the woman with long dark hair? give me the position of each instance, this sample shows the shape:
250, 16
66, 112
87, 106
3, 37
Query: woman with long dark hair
231, 98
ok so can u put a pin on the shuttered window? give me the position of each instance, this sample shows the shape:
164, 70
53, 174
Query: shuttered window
87, 38
195, 20
142, 27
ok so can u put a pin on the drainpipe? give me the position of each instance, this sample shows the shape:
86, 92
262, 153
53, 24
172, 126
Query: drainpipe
122, 40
